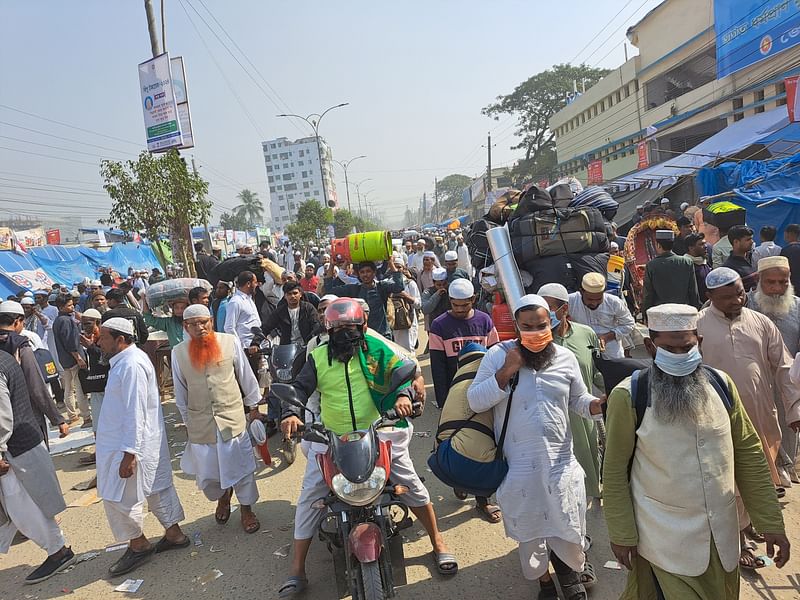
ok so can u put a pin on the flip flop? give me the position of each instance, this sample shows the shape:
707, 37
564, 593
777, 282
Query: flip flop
780, 491
758, 562
751, 534
460, 494
293, 586
443, 559
164, 544
254, 525
587, 542
489, 511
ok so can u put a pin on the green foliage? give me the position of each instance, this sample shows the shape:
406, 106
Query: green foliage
232, 221
310, 217
344, 221
537, 99
250, 209
450, 190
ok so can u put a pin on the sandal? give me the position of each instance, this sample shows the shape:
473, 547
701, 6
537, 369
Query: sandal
460, 494
588, 577
781, 492
490, 513
446, 563
164, 544
572, 587
293, 586
222, 517
547, 590
587, 543
751, 534
748, 561
252, 525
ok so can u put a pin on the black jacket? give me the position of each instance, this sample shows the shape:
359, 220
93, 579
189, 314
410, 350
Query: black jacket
308, 322
126, 312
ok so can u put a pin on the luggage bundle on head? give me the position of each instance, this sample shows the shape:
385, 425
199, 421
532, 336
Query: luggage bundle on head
555, 231
566, 269
172, 290
477, 243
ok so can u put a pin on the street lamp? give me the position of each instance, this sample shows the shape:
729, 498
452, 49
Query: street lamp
344, 165
313, 120
365, 194
358, 192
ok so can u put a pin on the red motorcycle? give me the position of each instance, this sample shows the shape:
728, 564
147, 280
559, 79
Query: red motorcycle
365, 511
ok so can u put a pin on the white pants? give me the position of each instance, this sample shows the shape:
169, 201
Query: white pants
96, 403
535, 558
126, 517
69, 379
25, 516
245, 490
307, 519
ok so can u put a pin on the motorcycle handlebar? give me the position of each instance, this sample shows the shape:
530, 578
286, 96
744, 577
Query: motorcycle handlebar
391, 414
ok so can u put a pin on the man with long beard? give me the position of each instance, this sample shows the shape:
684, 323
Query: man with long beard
774, 297
133, 460
747, 345
531, 384
212, 378
679, 443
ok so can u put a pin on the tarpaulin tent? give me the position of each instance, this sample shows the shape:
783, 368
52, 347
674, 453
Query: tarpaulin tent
56, 252
67, 272
23, 271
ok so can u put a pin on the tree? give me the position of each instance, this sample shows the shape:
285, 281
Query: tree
450, 191
232, 221
157, 195
311, 216
537, 99
250, 208
343, 222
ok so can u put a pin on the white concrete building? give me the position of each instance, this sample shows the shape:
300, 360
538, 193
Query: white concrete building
293, 175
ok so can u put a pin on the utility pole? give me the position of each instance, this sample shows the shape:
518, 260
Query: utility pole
424, 205
207, 237
436, 198
489, 165
155, 47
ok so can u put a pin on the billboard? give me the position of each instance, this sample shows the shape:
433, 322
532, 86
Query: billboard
181, 91
748, 31
161, 120
594, 172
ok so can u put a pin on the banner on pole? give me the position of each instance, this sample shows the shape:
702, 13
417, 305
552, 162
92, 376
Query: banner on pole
181, 91
53, 237
644, 158
161, 122
594, 172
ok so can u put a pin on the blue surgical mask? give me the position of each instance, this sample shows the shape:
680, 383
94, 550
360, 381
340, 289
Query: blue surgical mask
678, 365
554, 320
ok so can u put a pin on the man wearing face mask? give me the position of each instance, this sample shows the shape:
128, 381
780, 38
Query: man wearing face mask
679, 445
338, 371
748, 346
531, 384
606, 314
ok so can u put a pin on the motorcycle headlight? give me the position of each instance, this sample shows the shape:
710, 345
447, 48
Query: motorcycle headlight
360, 494
284, 374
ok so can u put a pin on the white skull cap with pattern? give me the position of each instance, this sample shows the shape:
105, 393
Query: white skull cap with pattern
451, 255
554, 290
531, 300
720, 277
439, 274
672, 317
196, 310
120, 325
461, 289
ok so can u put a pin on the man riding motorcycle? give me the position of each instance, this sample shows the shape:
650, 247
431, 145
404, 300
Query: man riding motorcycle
342, 371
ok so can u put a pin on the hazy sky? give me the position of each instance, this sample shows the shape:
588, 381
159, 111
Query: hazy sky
416, 75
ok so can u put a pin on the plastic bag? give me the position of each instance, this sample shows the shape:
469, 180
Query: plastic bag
167, 291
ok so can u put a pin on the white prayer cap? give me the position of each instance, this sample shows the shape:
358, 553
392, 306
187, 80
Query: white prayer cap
594, 283
28, 294
120, 325
665, 234
461, 289
672, 317
773, 262
41, 293
398, 260
451, 255
531, 300
92, 313
613, 246
329, 298
27, 301
194, 311
9, 307
664, 201
439, 274
639, 207
86, 280
95, 283
720, 277
428, 254
684, 205
554, 290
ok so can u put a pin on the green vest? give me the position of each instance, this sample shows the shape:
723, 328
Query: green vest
343, 392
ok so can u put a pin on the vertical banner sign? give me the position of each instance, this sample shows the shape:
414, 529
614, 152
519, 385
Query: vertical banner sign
793, 98
181, 91
161, 123
644, 159
594, 172
748, 31
53, 237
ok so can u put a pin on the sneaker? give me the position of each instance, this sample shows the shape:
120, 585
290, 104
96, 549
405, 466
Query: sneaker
54, 564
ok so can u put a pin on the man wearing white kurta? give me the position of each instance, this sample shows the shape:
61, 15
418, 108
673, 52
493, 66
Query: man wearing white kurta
212, 377
133, 461
542, 497
608, 315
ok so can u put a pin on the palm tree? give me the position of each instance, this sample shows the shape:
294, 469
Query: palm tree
251, 209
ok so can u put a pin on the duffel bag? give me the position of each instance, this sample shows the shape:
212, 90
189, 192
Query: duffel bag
588, 263
561, 231
478, 245
551, 269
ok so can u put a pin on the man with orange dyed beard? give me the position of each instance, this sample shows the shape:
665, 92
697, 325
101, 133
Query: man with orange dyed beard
212, 378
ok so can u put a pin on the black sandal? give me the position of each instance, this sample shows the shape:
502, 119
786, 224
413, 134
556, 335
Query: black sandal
164, 544
572, 587
547, 590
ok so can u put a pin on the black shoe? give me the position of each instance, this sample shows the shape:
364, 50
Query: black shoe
272, 428
131, 560
55, 563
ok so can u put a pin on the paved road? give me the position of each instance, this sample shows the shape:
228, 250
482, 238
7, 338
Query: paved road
489, 567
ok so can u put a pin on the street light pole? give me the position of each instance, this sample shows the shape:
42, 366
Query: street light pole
358, 193
314, 123
344, 165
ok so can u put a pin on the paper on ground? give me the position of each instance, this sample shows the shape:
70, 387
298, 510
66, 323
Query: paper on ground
129, 585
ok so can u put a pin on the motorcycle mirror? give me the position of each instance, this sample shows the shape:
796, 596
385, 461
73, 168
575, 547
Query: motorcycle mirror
312, 435
287, 393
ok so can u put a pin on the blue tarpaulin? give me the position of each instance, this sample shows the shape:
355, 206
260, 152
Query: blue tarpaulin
67, 271
56, 252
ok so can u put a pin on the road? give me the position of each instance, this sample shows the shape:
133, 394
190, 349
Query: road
253, 566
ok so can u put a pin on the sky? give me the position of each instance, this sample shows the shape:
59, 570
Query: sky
415, 73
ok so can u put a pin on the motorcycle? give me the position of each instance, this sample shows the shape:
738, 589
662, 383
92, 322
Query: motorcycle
285, 362
365, 510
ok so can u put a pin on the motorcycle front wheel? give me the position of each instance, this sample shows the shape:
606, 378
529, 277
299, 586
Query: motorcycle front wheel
371, 583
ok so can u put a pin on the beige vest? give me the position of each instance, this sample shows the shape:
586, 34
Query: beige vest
214, 401
682, 484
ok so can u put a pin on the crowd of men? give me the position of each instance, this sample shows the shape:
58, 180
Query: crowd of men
690, 450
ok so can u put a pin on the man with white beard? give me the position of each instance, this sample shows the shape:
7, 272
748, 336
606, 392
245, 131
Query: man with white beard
670, 474
774, 297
